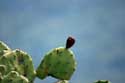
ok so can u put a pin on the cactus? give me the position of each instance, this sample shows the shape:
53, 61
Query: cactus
17, 61
16, 66
59, 63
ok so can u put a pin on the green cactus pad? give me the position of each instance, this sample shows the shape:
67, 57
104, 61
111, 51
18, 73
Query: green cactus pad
19, 61
59, 63
25, 63
102, 81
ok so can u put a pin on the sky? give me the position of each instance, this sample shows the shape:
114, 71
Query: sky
37, 26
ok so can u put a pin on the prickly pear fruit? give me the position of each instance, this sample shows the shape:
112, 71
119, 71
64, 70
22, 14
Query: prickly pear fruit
59, 63
14, 77
102, 81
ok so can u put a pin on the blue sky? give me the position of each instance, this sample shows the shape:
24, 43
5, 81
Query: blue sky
37, 26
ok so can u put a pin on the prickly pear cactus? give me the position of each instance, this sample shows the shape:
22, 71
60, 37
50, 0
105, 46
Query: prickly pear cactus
16, 66
102, 81
17, 61
59, 63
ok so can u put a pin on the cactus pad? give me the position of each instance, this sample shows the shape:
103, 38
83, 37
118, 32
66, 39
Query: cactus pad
59, 63
17, 61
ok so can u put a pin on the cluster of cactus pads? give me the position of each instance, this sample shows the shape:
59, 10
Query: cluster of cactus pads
16, 66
